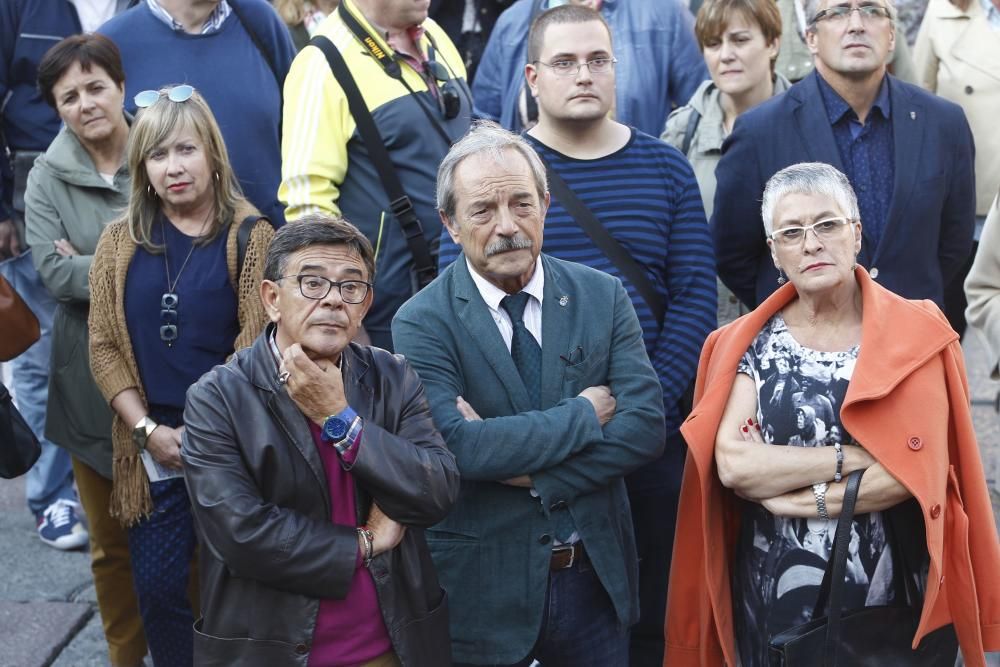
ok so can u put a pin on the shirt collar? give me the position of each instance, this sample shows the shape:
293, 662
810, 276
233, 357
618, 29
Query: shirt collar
493, 295
837, 108
212, 24
992, 14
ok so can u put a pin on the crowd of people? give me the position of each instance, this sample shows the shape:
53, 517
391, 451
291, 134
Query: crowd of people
400, 332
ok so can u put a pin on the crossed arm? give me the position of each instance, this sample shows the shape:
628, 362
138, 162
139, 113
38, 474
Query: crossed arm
780, 478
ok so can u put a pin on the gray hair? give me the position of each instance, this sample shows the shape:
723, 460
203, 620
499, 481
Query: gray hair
811, 8
484, 137
808, 178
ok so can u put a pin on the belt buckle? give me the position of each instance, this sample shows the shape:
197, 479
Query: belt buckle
572, 554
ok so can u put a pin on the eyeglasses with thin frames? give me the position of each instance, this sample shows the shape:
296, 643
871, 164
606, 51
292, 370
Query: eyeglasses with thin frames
572, 67
840, 13
318, 287
148, 98
824, 230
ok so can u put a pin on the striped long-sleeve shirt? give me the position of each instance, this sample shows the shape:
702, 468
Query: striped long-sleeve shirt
647, 197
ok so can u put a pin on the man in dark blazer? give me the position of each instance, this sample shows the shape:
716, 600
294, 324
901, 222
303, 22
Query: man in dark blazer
907, 153
538, 379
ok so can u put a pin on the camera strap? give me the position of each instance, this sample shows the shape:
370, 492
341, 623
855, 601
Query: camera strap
400, 204
391, 66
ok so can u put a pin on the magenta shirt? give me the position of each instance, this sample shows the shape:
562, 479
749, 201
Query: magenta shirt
351, 631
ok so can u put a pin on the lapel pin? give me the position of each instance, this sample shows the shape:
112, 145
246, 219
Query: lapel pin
563, 300
913, 115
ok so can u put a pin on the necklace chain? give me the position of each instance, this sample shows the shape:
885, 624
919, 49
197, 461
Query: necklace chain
166, 262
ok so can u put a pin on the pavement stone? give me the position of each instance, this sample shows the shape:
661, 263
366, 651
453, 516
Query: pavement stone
32, 634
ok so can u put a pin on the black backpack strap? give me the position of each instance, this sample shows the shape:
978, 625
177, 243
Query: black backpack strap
689, 131
399, 203
267, 55
607, 244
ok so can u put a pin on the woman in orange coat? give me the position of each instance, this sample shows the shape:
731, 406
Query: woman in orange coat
756, 518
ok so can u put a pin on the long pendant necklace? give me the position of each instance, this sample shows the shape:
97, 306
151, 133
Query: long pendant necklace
169, 301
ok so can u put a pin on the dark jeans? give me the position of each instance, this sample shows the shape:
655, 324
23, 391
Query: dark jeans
161, 547
653, 493
579, 625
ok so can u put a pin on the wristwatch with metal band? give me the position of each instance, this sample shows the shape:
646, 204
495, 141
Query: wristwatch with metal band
819, 490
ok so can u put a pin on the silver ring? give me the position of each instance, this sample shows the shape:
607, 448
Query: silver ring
283, 377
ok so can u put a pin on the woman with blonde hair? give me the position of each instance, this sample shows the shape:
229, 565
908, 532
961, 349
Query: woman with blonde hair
174, 292
303, 16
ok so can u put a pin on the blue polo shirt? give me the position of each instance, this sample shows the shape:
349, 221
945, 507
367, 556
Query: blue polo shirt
867, 153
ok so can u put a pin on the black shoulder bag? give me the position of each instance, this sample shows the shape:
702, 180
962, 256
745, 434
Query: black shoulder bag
865, 637
424, 265
19, 448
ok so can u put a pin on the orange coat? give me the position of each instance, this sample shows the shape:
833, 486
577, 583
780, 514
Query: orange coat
908, 403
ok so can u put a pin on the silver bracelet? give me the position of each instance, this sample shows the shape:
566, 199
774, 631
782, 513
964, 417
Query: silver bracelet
369, 539
819, 490
839, 449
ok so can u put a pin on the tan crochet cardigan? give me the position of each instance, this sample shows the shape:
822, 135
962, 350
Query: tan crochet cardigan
113, 362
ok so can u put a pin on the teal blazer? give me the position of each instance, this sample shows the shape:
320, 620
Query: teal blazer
492, 552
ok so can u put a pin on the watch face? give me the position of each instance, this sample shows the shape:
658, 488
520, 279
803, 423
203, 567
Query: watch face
335, 429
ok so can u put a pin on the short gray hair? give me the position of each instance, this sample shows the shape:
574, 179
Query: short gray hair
811, 8
808, 178
484, 137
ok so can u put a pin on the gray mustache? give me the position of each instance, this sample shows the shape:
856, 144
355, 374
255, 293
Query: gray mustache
507, 244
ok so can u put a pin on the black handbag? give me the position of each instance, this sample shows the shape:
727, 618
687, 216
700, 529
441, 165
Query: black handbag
878, 636
19, 448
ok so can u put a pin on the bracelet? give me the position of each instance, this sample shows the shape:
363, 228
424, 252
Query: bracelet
819, 490
369, 539
839, 449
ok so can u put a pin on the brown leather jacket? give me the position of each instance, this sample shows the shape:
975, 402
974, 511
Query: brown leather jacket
262, 506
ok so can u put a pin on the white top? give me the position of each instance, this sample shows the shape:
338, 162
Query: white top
108, 178
492, 295
93, 13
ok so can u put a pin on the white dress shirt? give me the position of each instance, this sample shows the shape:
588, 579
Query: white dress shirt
493, 295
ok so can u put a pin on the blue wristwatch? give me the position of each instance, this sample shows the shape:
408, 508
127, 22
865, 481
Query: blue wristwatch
336, 426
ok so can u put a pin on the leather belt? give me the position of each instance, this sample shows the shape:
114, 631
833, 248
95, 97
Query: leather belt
568, 555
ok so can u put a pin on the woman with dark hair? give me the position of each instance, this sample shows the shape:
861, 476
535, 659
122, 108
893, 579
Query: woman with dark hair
174, 292
76, 188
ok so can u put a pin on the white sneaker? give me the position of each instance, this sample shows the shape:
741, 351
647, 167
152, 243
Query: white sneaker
60, 526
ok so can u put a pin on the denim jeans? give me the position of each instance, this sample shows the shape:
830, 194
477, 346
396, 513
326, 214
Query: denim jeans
579, 624
51, 478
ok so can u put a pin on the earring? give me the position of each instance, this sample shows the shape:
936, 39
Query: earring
781, 277
217, 178
150, 192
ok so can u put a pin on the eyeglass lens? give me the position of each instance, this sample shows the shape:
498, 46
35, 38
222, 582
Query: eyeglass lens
147, 98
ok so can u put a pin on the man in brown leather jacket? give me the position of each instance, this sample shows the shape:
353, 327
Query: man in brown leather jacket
313, 466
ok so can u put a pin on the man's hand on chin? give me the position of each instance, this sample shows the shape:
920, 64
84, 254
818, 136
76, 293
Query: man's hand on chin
317, 392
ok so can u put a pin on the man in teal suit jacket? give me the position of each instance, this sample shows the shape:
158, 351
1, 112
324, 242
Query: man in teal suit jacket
546, 410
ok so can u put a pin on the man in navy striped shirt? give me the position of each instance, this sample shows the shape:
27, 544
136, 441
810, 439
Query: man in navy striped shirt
644, 193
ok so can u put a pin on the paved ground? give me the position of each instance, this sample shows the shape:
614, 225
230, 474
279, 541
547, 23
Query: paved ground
48, 613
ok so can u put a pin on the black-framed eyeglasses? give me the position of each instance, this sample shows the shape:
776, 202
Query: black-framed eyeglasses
168, 317
601, 65
148, 98
317, 287
449, 101
824, 230
840, 13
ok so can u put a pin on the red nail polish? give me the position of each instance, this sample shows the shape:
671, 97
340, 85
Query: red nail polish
745, 429
757, 426
750, 421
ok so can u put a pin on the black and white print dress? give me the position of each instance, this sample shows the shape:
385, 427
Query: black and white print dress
779, 561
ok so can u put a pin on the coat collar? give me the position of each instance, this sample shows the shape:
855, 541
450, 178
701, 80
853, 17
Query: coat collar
482, 331
880, 366
262, 371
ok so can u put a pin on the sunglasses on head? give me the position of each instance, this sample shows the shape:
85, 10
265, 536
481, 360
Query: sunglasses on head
148, 98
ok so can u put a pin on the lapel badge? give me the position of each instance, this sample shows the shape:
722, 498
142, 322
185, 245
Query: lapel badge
913, 115
563, 300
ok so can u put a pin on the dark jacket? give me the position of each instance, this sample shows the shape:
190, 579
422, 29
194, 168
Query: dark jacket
262, 506
928, 232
